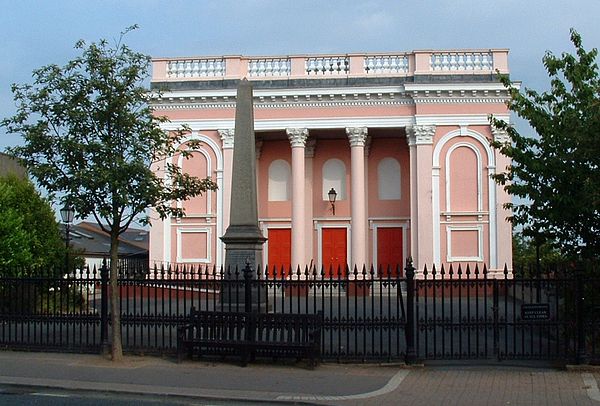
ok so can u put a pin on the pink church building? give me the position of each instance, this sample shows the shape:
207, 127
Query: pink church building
402, 139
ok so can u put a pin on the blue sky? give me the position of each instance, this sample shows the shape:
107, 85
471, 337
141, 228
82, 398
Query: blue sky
36, 33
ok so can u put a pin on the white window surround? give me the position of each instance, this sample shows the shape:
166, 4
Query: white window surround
334, 176
389, 179
208, 193
197, 230
478, 258
279, 183
479, 170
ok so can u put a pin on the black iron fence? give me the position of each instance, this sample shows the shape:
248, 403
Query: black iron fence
369, 314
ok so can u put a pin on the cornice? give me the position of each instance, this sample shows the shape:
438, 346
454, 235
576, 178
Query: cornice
470, 93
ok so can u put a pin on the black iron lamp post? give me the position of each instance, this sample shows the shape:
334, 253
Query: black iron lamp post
67, 213
332, 196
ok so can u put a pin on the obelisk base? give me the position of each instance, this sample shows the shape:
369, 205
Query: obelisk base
243, 249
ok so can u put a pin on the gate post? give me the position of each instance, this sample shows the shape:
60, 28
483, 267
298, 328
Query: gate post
104, 308
409, 331
580, 356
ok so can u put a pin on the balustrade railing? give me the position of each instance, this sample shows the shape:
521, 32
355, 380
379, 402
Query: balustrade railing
386, 64
324, 66
461, 61
355, 65
196, 68
265, 67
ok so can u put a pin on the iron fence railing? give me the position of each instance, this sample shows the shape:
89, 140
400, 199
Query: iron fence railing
369, 315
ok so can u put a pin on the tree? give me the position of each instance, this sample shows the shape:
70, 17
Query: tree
30, 237
556, 174
91, 138
532, 256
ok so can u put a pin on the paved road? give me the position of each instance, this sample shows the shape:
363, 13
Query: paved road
15, 396
149, 379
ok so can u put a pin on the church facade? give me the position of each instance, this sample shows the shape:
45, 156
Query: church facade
361, 158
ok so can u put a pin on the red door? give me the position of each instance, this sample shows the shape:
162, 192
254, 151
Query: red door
280, 250
389, 251
334, 251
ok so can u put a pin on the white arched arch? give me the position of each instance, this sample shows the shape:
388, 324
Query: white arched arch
209, 142
491, 169
388, 179
334, 176
479, 168
280, 174
208, 158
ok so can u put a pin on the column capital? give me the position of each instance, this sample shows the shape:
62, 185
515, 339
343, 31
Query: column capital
420, 134
297, 136
227, 137
500, 135
357, 136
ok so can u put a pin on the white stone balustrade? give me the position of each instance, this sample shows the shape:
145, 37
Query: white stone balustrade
381, 64
196, 68
266, 67
314, 66
325, 66
461, 61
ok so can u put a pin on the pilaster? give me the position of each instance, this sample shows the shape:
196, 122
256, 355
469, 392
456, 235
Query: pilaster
227, 136
503, 226
423, 240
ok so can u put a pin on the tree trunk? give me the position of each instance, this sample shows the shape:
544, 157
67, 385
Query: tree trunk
117, 347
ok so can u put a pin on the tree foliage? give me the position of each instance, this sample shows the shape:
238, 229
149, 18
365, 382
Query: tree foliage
30, 237
91, 138
530, 253
556, 174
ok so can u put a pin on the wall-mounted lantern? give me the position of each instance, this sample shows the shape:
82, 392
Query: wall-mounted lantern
332, 196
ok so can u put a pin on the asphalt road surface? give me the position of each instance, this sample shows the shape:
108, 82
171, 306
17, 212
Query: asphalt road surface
14, 396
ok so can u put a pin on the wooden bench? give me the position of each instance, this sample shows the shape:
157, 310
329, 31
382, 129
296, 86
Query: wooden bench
251, 335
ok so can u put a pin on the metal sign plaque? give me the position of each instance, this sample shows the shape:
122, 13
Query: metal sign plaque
535, 311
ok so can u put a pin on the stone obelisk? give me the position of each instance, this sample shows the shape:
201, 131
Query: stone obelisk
243, 239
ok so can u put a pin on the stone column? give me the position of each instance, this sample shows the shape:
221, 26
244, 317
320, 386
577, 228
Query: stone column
297, 137
420, 142
357, 137
227, 145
